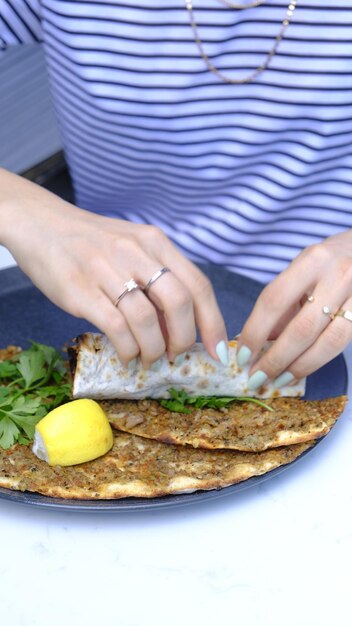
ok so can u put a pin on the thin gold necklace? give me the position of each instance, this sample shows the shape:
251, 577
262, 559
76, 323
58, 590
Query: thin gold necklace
285, 22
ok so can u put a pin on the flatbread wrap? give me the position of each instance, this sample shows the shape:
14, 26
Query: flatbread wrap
98, 373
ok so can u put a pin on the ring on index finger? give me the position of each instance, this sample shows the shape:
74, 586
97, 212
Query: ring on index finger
130, 285
155, 277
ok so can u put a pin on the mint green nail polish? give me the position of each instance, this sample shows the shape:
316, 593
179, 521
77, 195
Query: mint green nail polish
243, 356
179, 359
283, 379
132, 364
257, 380
155, 367
223, 352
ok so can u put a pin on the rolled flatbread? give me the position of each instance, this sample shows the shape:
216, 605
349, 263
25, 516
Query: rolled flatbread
98, 373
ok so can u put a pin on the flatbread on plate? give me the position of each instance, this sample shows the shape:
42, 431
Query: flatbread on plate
97, 373
141, 468
241, 426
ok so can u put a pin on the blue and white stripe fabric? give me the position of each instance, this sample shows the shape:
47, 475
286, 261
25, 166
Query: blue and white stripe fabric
240, 175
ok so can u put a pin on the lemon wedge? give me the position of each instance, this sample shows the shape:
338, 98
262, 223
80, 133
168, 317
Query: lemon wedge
73, 433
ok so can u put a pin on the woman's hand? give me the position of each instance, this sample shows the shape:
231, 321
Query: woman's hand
302, 309
82, 261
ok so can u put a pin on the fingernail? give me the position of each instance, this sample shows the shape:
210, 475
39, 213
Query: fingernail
131, 366
223, 352
155, 367
256, 380
283, 379
179, 360
243, 356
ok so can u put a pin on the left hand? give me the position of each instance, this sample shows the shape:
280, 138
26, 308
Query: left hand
306, 337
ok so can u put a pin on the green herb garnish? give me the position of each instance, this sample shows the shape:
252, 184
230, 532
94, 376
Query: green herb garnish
180, 401
32, 383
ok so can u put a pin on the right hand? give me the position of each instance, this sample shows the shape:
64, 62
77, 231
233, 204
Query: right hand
81, 262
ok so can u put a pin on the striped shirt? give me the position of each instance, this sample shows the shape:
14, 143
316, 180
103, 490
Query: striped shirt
239, 175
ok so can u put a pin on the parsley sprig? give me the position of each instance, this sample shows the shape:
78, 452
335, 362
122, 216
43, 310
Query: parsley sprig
32, 383
181, 402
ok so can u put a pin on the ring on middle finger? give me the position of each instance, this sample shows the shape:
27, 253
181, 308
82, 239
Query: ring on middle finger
156, 277
130, 285
327, 311
346, 313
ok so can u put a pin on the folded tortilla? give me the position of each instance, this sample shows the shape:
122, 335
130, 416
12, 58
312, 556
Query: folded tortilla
98, 373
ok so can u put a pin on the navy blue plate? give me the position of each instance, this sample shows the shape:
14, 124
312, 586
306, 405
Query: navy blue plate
26, 314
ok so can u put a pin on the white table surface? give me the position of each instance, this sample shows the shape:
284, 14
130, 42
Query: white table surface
276, 554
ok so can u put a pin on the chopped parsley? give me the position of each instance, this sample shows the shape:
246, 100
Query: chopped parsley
181, 402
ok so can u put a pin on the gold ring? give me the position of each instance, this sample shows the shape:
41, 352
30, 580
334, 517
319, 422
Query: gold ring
327, 311
155, 277
344, 313
131, 285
